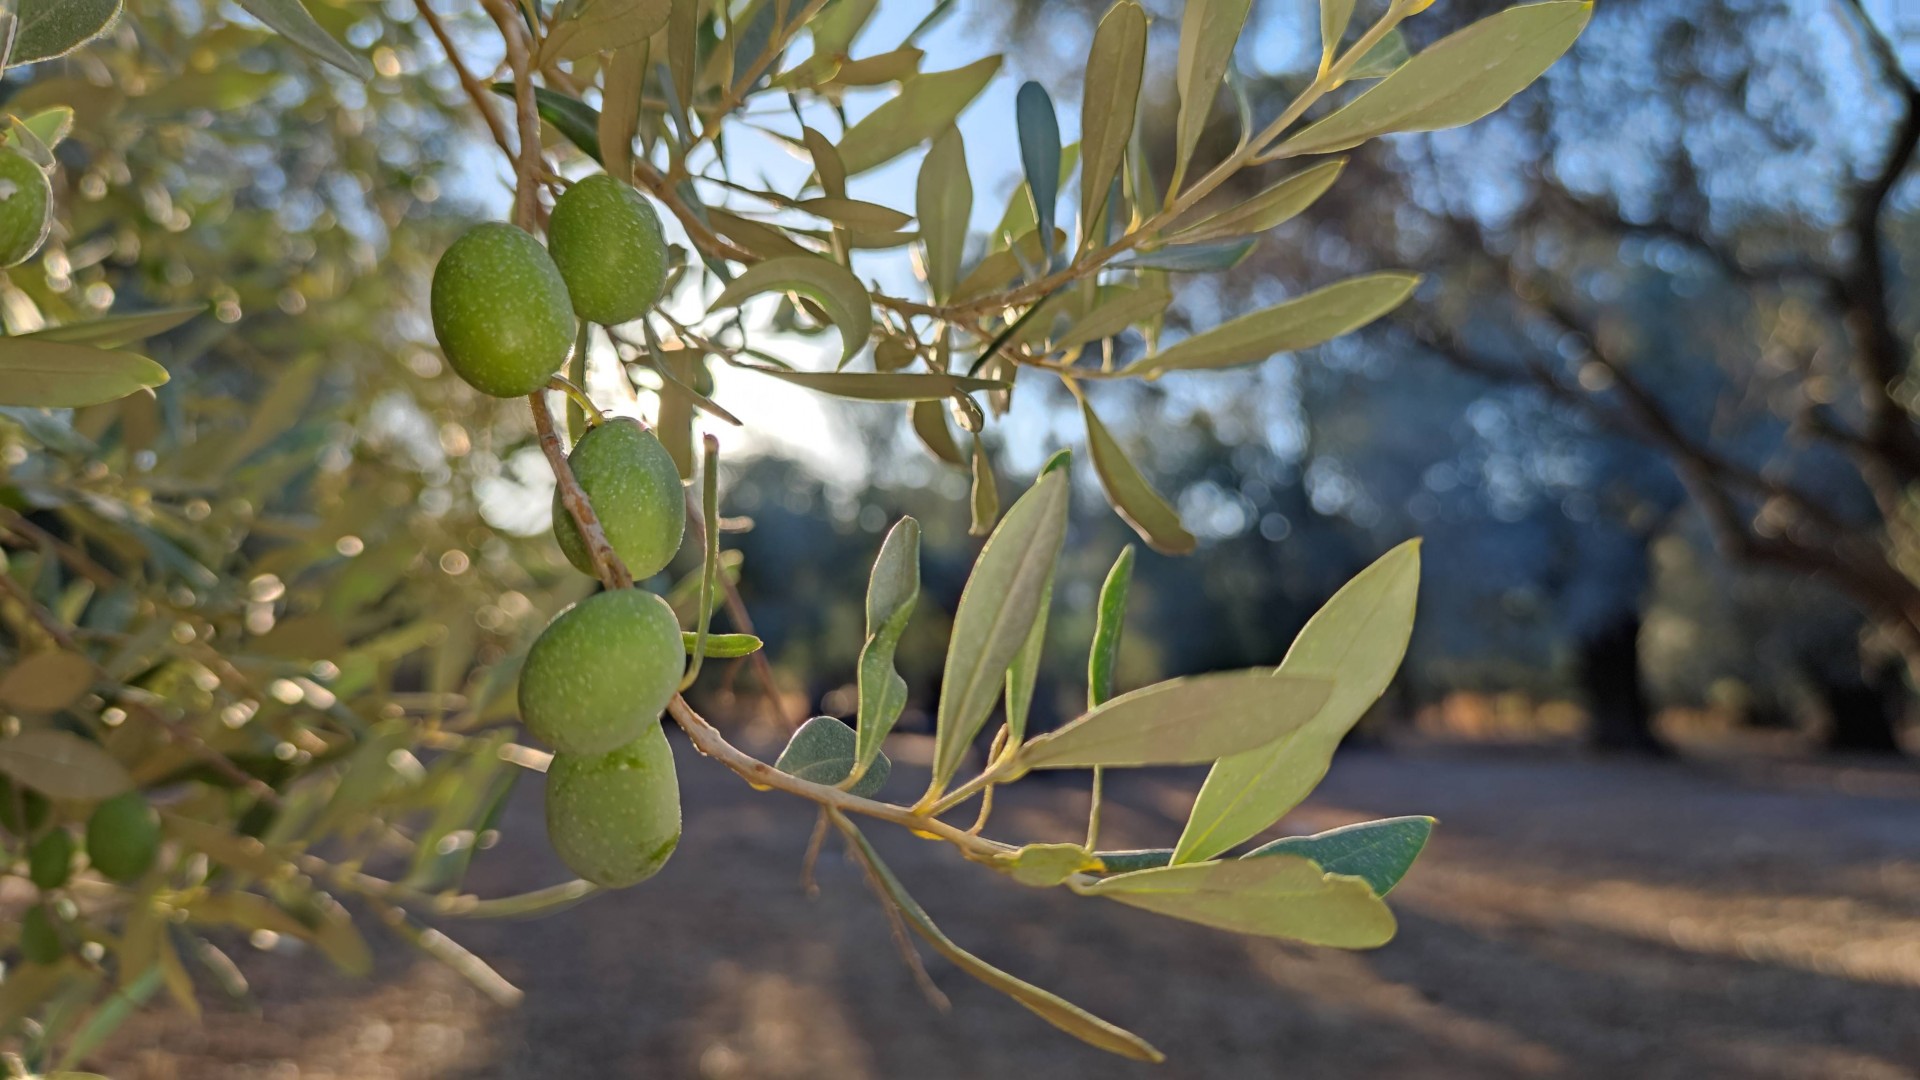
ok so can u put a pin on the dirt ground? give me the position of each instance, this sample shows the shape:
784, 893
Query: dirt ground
1572, 918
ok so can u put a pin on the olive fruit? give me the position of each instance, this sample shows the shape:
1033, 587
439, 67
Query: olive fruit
601, 672
500, 311
123, 836
607, 242
635, 490
39, 941
50, 859
615, 818
26, 207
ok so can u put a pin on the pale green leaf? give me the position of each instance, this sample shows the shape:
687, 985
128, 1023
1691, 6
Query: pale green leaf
826, 163
1108, 103
600, 25
48, 374
1377, 852
822, 751
114, 331
930, 425
1057, 1011
626, 75
998, 606
1189, 258
898, 386
1281, 896
1045, 865
45, 29
1182, 722
927, 104
985, 494
1132, 497
892, 590
63, 765
1271, 207
1117, 310
855, 213
1383, 59
1319, 316
1109, 616
826, 283
1460, 79
1335, 15
1024, 670
1357, 640
1209, 29
49, 126
290, 19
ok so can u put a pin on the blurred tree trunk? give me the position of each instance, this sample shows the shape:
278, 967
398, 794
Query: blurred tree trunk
1620, 718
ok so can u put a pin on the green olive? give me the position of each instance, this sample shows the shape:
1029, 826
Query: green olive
500, 311
123, 837
602, 671
26, 207
615, 818
607, 241
39, 941
50, 859
635, 490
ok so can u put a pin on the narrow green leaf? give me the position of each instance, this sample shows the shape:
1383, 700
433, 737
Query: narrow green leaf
1109, 616
56, 375
1039, 132
603, 25
1108, 104
1045, 865
1132, 497
826, 163
1461, 78
722, 646
1024, 670
1281, 896
114, 331
855, 213
49, 126
944, 206
985, 501
290, 20
683, 38
1182, 722
575, 120
930, 424
1126, 862
823, 281
1319, 316
1117, 310
927, 104
1383, 59
1057, 1011
1277, 204
625, 79
1357, 640
822, 751
1018, 220
63, 765
113, 1012
997, 608
864, 386
892, 590
1209, 29
1334, 17
1377, 852
1189, 258
44, 29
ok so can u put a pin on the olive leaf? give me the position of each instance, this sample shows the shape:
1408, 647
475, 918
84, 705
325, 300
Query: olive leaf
1126, 862
1189, 258
1268, 209
944, 204
1334, 17
1117, 310
1107, 105
63, 765
1110, 614
1055, 1010
1024, 669
897, 65
854, 213
1137, 503
1039, 132
626, 75
927, 104
49, 126
290, 20
865, 386
45, 682
1377, 852
722, 646
114, 331
575, 120
1018, 219
1357, 639
683, 39
44, 29
985, 494
1045, 865
823, 281
1383, 59
1282, 896
892, 589
822, 751
997, 608
584, 27
57, 375
1319, 316
930, 424
1181, 722
1208, 31
1459, 79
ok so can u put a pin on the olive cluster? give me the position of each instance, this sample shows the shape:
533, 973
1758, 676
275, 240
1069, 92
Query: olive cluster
599, 676
122, 838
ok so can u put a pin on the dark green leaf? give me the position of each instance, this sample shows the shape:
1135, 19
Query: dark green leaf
575, 120
1377, 852
1039, 131
48, 28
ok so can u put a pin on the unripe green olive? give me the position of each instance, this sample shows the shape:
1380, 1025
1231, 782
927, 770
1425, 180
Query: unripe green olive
50, 859
123, 836
26, 207
615, 818
607, 241
635, 490
500, 311
602, 671
39, 941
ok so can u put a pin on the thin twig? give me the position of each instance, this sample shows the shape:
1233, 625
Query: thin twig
607, 564
476, 90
